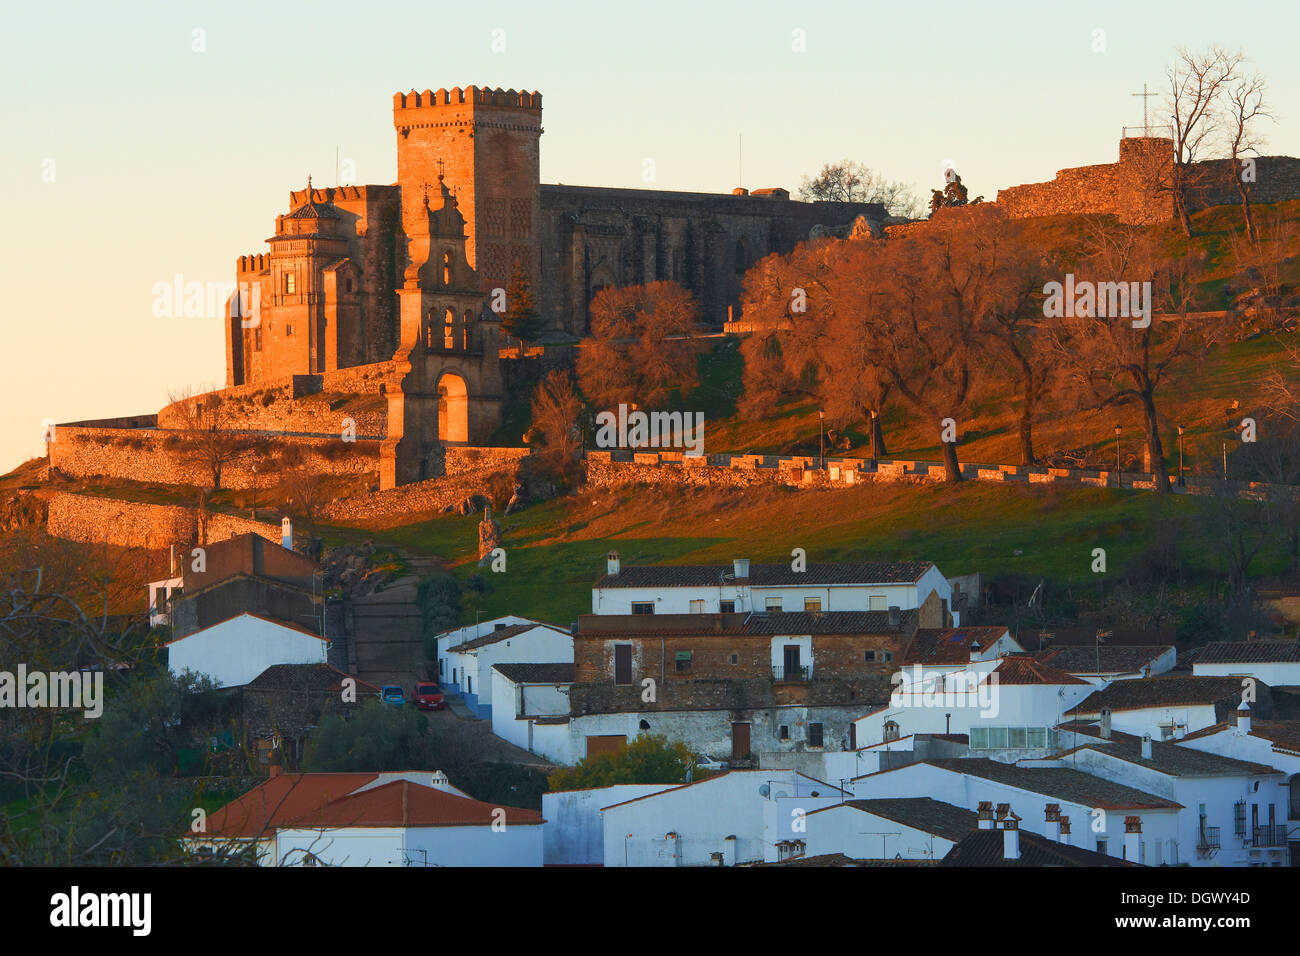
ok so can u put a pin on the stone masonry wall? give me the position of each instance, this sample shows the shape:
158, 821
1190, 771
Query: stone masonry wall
155, 456
93, 519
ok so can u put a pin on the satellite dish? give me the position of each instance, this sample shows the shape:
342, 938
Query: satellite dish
764, 790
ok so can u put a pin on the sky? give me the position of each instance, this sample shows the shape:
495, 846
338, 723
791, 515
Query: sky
146, 140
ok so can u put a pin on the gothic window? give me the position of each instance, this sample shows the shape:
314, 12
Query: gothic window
449, 330
290, 283
446, 268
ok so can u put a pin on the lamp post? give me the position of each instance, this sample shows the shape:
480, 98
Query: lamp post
821, 416
1181, 480
1119, 474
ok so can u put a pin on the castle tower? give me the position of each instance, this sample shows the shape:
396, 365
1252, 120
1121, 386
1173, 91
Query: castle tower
486, 145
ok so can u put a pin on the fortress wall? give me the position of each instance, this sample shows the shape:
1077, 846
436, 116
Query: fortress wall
132, 524
463, 460
157, 456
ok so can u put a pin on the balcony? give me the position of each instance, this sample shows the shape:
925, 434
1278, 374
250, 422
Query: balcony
1270, 834
1207, 843
799, 674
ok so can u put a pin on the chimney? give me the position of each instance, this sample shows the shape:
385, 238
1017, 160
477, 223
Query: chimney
1053, 817
440, 780
1011, 837
286, 533
742, 568
611, 565
1146, 746
986, 815
1105, 723
1065, 829
895, 615
1133, 839
1243, 718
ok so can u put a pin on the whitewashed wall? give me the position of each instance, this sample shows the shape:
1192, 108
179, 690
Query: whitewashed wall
238, 650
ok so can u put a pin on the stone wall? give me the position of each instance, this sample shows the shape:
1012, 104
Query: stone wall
93, 519
149, 455
1133, 188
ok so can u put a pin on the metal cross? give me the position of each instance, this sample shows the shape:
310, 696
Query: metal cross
1146, 128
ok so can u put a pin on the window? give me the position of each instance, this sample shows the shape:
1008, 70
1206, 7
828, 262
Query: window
290, 283
812, 605
448, 330
877, 603
869, 656
288, 329
257, 339
1101, 847
446, 268
814, 735
773, 604
349, 283
682, 660
735, 658
643, 608
697, 607
644, 725
441, 668
1238, 817
727, 607
622, 663
785, 732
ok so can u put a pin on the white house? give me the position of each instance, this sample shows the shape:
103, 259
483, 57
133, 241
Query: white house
1233, 811
1275, 663
1061, 803
1167, 707
466, 655
235, 651
160, 599
736, 817
411, 818
1008, 706
574, 833
890, 828
1105, 663
530, 707
742, 587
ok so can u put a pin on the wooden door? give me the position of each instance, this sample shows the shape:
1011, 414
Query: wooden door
622, 663
739, 742
605, 744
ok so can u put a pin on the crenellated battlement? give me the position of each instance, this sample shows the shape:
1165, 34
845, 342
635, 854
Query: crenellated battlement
257, 263
470, 95
298, 197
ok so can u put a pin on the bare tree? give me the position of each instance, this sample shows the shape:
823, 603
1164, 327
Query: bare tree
207, 444
851, 181
1244, 107
1197, 81
556, 411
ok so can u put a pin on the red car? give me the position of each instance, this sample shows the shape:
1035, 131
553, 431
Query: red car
428, 696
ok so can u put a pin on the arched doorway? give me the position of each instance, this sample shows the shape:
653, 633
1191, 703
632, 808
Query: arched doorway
453, 409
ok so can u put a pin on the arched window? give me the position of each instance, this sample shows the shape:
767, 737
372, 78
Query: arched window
449, 330
891, 730
446, 268
464, 333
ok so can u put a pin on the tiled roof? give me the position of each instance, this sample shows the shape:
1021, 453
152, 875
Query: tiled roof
1169, 758
1284, 735
920, 813
775, 622
1060, 782
261, 617
839, 859
1249, 652
1121, 659
765, 575
986, 848
314, 210
316, 678
1160, 692
936, 645
536, 673
330, 800
1023, 669
505, 633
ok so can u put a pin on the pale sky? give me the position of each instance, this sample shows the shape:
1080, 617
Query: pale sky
168, 160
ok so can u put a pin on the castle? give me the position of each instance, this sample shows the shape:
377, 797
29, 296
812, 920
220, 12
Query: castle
330, 289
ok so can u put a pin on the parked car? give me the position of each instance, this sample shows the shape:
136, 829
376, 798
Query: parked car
393, 695
706, 762
428, 696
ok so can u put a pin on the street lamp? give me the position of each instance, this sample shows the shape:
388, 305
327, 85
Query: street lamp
1119, 474
822, 454
1181, 480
